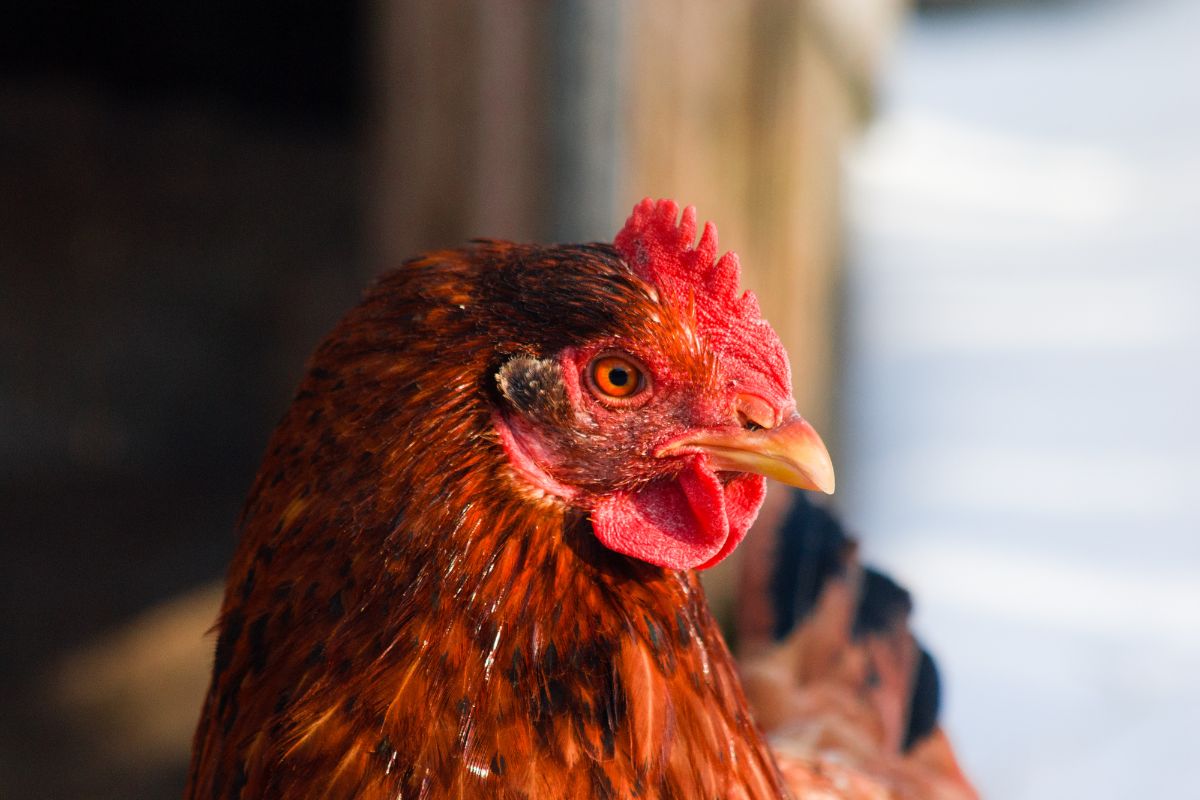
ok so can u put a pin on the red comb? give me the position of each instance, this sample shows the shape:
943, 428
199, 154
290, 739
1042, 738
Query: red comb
661, 252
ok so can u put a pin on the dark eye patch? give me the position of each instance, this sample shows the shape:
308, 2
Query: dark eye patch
535, 388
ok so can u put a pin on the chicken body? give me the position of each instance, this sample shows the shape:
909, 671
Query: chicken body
465, 569
847, 695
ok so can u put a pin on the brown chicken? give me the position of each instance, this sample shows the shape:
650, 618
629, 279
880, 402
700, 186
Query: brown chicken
467, 566
846, 694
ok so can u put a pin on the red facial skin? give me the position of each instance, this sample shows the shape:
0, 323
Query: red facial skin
675, 512
702, 347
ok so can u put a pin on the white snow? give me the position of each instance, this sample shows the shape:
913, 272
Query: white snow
1021, 431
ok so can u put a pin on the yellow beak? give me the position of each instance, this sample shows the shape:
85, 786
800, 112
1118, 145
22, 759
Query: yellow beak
790, 453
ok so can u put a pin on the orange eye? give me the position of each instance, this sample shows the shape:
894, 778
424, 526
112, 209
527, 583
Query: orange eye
616, 377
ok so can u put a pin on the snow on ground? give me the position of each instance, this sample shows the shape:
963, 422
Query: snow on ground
1021, 429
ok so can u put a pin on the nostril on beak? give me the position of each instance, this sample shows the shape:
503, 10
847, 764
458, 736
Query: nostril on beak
754, 413
748, 423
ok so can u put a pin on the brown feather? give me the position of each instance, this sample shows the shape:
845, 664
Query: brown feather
403, 618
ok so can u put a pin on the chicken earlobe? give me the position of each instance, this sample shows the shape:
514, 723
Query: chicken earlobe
534, 387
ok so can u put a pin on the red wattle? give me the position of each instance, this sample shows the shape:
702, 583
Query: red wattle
743, 498
690, 522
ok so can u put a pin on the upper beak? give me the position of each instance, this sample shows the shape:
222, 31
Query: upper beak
790, 453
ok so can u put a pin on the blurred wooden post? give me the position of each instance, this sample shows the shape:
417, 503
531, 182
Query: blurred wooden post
743, 110
548, 121
490, 118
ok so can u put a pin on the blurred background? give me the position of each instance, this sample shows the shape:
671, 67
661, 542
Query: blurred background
973, 223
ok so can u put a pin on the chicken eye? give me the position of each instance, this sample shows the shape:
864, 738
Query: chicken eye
616, 378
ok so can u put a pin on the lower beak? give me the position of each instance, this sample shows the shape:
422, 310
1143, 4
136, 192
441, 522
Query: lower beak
790, 453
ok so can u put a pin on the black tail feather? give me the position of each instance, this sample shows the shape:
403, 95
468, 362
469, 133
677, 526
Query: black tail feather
814, 548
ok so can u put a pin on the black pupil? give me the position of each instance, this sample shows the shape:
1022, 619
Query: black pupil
618, 376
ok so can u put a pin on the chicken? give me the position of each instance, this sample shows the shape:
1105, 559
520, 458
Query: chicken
467, 566
846, 693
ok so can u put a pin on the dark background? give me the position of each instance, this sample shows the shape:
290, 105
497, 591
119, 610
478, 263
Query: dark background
180, 211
